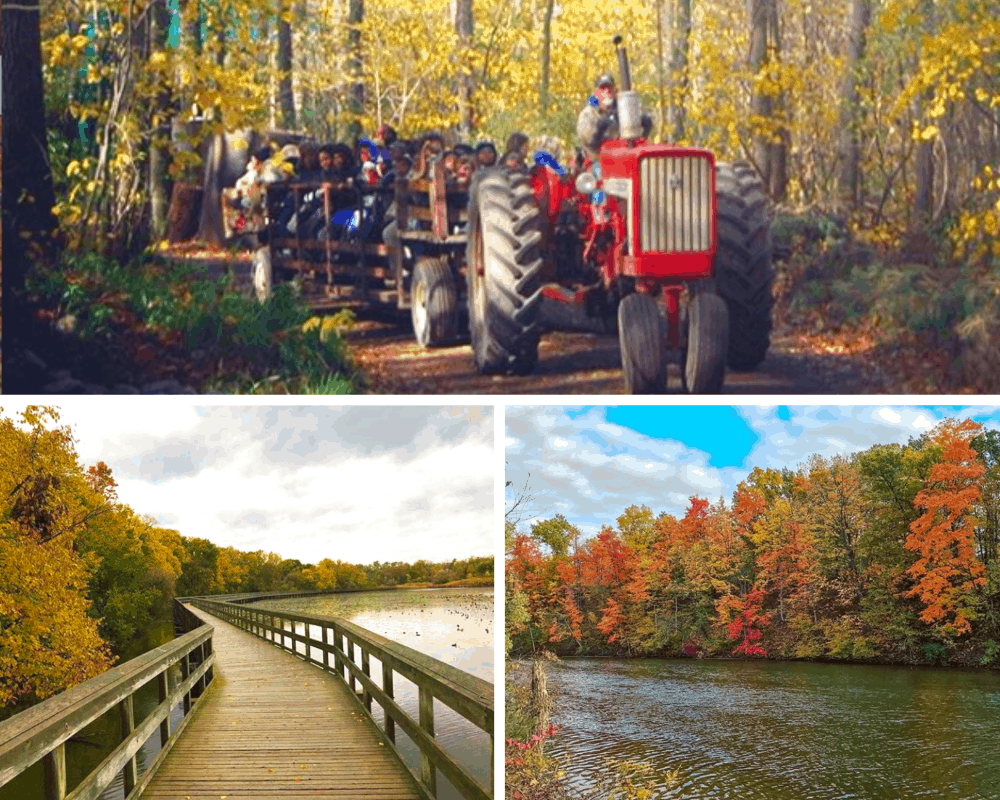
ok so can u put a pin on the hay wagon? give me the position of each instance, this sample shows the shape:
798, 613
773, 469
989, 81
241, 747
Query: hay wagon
401, 246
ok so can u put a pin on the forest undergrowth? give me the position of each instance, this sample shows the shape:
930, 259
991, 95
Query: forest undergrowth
120, 325
928, 321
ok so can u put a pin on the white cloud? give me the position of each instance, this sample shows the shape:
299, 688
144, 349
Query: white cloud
360, 484
889, 415
610, 467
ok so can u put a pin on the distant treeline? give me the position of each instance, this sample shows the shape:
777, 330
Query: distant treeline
891, 554
210, 569
83, 576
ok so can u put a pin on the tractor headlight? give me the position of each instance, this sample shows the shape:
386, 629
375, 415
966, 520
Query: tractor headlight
586, 183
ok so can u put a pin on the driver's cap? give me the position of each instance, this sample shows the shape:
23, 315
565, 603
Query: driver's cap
607, 79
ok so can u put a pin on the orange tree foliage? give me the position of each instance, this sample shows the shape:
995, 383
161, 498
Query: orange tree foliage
947, 572
890, 554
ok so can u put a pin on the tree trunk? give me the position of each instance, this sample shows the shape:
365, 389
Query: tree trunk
850, 149
679, 67
543, 94
761, 104
464, 23
779, 146
541, 703
159, 152
28, 195
219, 30
285, 100
661, 123
923, 202
765, 47
355, 18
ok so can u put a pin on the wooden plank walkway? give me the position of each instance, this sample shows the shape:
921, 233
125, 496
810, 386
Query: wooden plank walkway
274, 727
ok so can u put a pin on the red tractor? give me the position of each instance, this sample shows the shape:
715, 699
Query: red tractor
643, 221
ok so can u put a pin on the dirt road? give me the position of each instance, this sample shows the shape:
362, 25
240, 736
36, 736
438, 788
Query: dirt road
578, 362
583, 363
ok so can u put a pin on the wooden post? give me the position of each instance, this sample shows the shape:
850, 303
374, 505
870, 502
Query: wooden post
396, 256
201, 660
162, 690
428, 774
366, 697
350, 656
437, 197
326, 653
125, 710
337, 660
185, 672
327, 210
390, 723
54, 773
209, 673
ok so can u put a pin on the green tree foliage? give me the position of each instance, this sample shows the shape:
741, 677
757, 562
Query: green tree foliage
134, 569
877, 556
200, 568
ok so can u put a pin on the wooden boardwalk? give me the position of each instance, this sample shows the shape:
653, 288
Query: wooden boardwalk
273, 726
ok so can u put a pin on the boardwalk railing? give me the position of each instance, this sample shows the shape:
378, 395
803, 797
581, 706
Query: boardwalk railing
40, 732
346, 650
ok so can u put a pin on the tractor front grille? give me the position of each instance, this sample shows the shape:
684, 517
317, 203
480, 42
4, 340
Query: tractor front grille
675, 204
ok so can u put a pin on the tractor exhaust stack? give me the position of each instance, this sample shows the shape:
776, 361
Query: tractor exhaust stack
626, 78
629, 107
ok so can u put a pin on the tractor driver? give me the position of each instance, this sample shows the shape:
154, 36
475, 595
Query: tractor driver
599, 119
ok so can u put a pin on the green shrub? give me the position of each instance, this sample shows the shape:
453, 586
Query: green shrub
276, 347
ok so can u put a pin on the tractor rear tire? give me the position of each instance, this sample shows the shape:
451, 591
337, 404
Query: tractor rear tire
504, 264
643, 345
263, 274
433, 302
743, 268
703, 363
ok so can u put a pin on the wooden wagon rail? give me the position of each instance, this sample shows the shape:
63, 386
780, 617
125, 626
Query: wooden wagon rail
39, 734
351, 649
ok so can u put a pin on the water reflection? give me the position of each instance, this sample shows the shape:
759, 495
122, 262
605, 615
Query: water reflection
455, 626
773, 730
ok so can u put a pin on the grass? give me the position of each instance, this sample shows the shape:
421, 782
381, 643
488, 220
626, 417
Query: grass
170, 311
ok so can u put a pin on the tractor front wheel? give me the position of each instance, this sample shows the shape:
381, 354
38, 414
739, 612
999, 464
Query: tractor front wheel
703, 365
433, 302
643, 345
743, 269
504, 267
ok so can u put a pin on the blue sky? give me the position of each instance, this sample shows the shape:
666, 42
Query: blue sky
589, 463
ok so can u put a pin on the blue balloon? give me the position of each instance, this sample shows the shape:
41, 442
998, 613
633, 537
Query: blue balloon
548, 160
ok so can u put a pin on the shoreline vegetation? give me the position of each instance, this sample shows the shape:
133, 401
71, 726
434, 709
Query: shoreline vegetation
891, 555
86, 580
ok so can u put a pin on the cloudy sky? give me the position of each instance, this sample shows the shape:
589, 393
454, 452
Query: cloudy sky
360, 484
590, 463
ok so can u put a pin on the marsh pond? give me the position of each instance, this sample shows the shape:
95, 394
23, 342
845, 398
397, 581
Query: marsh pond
454, 625
772, 730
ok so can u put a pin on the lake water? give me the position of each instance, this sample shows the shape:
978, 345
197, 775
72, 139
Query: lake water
455, 626
86, 750
781, 730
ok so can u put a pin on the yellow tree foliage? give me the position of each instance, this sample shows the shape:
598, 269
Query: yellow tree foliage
47, 640
323, 576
